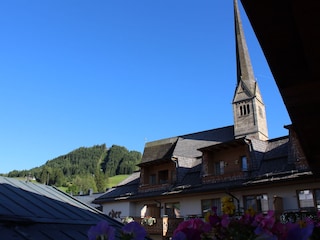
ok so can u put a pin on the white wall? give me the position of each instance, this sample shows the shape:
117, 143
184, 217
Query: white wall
192, 205
116, 207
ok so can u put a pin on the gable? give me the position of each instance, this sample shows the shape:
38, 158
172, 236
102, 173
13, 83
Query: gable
158, 150
188, 145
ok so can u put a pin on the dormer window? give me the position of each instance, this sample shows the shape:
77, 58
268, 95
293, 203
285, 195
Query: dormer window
244, 163
219, 168
153, 179
153, 175
163, 176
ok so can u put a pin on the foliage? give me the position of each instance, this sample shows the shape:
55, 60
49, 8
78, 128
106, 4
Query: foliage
148, 221
82, 184
86, 168
101, 180
120, 161
127, 220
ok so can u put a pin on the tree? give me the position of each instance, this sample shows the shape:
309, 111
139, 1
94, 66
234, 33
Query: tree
114, 157
45, 175
82, 184
101, 180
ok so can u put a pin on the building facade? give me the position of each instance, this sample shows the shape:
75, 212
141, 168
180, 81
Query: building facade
184, 176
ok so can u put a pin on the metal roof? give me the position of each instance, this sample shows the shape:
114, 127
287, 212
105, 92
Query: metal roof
34, 211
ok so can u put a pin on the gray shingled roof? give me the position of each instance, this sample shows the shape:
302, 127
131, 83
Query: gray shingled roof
271, 157
125, 189
277, 148
275, 158
158, 150
35, 211
185, 145
192, 177
88, 199
188, 145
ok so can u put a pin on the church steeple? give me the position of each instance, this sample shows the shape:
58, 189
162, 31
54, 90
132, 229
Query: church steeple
248, 107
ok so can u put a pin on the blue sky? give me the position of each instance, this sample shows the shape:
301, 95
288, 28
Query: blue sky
77, 73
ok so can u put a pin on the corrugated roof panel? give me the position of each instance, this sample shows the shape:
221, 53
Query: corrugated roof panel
33, 206
35, 211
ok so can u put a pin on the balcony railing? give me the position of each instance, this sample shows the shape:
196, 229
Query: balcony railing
158, 227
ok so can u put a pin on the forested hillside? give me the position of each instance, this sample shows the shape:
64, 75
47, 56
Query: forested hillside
84, 168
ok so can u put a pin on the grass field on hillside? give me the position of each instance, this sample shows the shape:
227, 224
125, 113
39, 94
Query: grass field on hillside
113, 181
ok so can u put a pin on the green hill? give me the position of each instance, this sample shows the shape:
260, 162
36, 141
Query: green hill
85, 168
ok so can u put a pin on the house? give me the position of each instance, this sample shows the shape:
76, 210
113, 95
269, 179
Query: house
88, 198
35, 211
184, 176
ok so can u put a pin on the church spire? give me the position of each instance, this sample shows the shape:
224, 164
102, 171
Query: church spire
245, 75
248, 107
244, 67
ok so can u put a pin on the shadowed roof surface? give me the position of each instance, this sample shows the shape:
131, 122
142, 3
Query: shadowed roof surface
34, 211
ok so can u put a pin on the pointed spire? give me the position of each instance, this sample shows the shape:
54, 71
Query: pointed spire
248, 107
244, 67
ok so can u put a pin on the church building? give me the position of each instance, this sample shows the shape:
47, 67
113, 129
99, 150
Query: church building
184, 176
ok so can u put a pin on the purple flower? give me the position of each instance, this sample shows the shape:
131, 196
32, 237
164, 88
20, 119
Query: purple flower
101, 231
179, 236
133, 231
214, 220
225, 221
301, 231
264, 224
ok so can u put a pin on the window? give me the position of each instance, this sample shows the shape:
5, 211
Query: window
152, 179
163, 176
244, 109
207, 204
259, 203
172, 210
244, 163
219, 168
309, 198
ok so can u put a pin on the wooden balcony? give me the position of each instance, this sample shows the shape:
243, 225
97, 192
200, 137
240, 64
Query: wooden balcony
159, 227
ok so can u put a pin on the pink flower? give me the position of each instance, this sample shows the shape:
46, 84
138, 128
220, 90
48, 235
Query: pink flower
264, 223
192, 229
225, 221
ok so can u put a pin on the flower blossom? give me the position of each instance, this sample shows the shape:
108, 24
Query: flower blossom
133, 231
101, 231
301, 231
192, 229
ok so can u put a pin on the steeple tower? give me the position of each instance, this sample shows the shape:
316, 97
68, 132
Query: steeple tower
248, 107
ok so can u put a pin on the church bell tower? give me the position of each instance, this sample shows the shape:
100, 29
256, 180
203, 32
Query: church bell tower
248, 108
